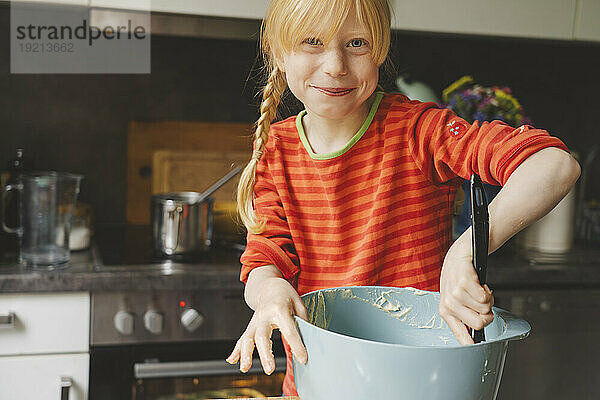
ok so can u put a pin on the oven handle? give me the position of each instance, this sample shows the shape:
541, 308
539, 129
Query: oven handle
197, 368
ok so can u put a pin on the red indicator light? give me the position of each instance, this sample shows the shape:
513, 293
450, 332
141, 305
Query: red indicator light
182, 304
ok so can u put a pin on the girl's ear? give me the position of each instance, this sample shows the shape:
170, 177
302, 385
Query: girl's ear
279, 62
280, 65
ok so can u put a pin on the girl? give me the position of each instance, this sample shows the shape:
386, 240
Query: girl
358, 188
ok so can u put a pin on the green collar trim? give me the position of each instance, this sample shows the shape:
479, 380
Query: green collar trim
348, 146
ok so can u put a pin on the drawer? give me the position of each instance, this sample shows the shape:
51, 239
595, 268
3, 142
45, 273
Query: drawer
41, 376
45, 323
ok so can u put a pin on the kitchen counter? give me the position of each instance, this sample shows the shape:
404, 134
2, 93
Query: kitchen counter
121, 260
87, 276
514, 268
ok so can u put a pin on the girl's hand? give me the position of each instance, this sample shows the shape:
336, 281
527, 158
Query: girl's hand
276, 307
463, 301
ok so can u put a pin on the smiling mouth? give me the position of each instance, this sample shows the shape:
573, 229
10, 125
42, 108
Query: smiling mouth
332, 91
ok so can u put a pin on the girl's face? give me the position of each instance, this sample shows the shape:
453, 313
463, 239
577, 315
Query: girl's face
334, 80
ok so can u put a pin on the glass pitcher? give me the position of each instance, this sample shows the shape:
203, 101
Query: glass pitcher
46, 204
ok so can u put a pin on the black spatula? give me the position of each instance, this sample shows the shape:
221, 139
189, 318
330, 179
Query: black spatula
480, 235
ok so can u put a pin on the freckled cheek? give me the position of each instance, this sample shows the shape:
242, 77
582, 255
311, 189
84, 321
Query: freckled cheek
366, 71
370, 79
298, 84
299, 72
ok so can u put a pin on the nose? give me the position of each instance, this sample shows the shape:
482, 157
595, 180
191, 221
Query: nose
334, 63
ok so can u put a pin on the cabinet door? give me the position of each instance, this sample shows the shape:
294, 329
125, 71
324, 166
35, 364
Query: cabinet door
552, 19
139, 5
587, 22
253, 9
44, 323
39, 377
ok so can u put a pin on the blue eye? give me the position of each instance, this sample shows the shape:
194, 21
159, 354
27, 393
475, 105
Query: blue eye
357, 43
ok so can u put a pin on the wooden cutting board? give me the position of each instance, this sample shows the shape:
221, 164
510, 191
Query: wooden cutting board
195, 171
145, 138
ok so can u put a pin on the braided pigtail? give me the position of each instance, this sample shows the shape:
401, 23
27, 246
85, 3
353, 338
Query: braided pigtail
272, 93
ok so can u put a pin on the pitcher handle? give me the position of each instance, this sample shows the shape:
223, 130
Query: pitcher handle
5, 191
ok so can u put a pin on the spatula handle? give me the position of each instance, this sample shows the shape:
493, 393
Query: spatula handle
480, 234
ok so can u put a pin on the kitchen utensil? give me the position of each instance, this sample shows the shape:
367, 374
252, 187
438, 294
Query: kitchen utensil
369, 342
182, 223
145, 138
215, 186
46, 208
480, 235
463, 219
181, 171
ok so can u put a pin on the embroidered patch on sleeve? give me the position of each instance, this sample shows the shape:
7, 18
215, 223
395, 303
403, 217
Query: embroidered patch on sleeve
456, 128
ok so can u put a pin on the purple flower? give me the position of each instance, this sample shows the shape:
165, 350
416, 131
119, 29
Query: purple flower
479, 116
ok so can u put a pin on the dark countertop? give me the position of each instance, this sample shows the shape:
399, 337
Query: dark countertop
121, 260
87, 276
511, 268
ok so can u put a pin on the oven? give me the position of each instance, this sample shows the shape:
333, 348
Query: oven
172, 345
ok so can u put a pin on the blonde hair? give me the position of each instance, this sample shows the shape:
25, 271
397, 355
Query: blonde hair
286, 23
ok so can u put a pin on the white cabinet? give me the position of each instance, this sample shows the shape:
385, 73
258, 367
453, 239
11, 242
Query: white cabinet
40, 376
587, 21
44, 338
45, 323
138, 5
542, 19
253, 9
549, 19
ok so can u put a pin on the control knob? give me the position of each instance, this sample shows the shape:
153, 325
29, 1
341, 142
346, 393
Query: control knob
191, 319
153, 322
124, 322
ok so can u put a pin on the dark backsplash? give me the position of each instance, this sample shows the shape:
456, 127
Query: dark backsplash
78, 123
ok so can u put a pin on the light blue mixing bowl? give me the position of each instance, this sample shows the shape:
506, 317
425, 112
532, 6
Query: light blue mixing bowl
372, 342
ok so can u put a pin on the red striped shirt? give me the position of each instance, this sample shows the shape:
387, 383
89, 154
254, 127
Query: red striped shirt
381, 212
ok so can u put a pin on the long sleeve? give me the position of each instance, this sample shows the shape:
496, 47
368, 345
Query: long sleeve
274, 245
445, 146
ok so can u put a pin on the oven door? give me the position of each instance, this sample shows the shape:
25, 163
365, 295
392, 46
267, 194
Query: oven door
205, 380
182, 371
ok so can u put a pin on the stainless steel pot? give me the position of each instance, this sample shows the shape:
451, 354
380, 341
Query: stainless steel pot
182, 223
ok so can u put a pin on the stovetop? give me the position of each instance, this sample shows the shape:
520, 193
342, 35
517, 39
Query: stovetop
123, 244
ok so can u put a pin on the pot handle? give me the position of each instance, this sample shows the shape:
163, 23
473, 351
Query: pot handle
174, 219
8, 188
